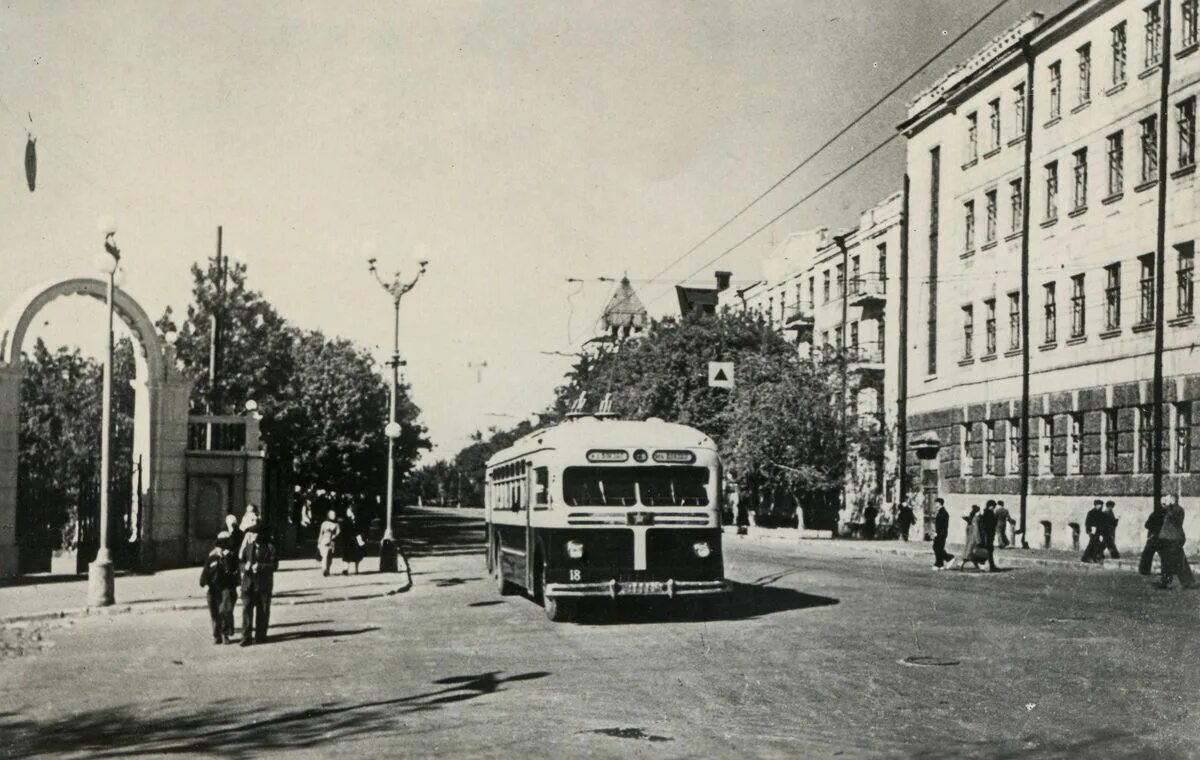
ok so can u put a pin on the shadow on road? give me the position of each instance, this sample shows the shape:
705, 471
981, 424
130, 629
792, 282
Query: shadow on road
319, 633
744, 602
237, 731
1098, 743
425, 534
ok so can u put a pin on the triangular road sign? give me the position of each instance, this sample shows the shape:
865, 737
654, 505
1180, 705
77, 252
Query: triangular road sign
720, 374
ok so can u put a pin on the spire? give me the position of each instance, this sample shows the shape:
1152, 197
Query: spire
624, 313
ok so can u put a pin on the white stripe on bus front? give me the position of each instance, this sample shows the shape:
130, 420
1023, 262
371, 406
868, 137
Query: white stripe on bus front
639, 548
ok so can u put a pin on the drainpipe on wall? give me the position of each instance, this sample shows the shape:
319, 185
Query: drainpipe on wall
1161, 252
1026, 181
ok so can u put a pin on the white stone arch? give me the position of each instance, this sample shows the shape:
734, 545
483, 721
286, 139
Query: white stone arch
160, 416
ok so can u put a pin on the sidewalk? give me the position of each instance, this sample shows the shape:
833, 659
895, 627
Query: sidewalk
923, 550
298, 581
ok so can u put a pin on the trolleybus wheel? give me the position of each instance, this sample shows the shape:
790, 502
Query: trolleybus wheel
503, 587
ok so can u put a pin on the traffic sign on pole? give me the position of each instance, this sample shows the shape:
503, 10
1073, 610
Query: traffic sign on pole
720, 374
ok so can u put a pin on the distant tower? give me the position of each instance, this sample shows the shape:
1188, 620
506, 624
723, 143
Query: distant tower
624, 315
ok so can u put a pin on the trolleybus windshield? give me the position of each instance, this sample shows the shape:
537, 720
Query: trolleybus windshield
627, 486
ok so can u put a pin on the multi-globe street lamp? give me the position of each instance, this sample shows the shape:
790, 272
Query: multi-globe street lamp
100, 572
396, 288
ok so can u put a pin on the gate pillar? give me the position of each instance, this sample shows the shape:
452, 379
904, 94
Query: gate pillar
10, 430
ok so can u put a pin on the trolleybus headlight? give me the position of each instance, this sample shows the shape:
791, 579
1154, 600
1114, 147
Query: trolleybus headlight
574, 550
702, 549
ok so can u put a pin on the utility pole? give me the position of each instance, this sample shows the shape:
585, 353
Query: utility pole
214, 336
1161, 253
1026, 196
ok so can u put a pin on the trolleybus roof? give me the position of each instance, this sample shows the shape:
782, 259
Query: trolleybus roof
591, 432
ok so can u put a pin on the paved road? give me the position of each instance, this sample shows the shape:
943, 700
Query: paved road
807, 660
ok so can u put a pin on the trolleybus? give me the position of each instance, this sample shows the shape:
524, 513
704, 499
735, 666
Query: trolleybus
600, 507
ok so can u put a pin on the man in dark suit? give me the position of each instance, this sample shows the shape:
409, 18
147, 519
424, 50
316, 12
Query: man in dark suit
1153, 525
987, 532
1108, 531
1093, 523
941, 529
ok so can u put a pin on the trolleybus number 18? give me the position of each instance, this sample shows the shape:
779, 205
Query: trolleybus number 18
576, 575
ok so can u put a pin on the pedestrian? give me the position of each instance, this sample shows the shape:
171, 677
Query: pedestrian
1171, 539
219, 575
352, 542
326, 538
1153, 525
258, 564
941, 531
972, 549
1094, 552
1003, 519
905, 518
869, 515
1108, 531
234, 541
987, 533
250, 517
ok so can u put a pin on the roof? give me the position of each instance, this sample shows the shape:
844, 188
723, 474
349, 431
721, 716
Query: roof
593, 432
625, 309
692, 297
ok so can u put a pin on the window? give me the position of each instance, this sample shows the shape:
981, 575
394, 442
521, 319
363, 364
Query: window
1055, 89
1118, 54
541, 493
855, 275
989, 326
968, 330
989, 231
969, 225
1110, 440
627, 486
994, 122
1153, 35
1112, 297
1116, 163
1019, 109
1012, 454
1085, 74
965, 449
1183, 436
825, 287
972, 137
883, 267
1051, 312
1014, 321
1146, 290
1188, 12
1078, 306
1081, 180
989, 451
1052, 191
1149, 149
841, 280
1016, 204
1075, 444
1047, 447
1185, 118
1185, 295
1145, 451
812, 292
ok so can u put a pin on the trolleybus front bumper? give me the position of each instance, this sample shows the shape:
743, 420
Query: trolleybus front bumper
614, 588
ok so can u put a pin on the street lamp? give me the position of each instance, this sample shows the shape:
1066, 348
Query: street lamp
100, 572
396, 289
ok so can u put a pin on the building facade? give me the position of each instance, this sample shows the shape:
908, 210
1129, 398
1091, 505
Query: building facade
1052, 199
830, 293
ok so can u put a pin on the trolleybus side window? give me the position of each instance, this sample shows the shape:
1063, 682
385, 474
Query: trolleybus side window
541, 485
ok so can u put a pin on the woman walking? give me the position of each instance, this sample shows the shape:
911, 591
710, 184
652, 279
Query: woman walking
326, 538
974, 543
352, 542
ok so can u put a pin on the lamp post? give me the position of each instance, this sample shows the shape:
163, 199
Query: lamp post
100, 572
396, 289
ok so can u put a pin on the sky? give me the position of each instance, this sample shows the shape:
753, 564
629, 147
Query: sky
520, 144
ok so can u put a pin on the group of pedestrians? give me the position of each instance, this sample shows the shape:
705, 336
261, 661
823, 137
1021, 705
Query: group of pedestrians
243, 556
344, 538
985, 529
1101, 526
1165, 537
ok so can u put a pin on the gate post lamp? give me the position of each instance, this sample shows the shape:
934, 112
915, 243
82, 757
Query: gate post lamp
396, 289
100, 572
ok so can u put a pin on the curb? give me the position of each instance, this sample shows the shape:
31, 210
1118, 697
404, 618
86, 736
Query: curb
1010, 558
199, 604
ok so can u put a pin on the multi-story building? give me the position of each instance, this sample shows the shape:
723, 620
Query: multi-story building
830, 293
1052, 191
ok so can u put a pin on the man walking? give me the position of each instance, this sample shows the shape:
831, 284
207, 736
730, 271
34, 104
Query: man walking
1153, 525
1002, 521
219, 576
1094, 551
1171, 539
1108, 531
258, 581
904, 520
987, 533
941, 530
